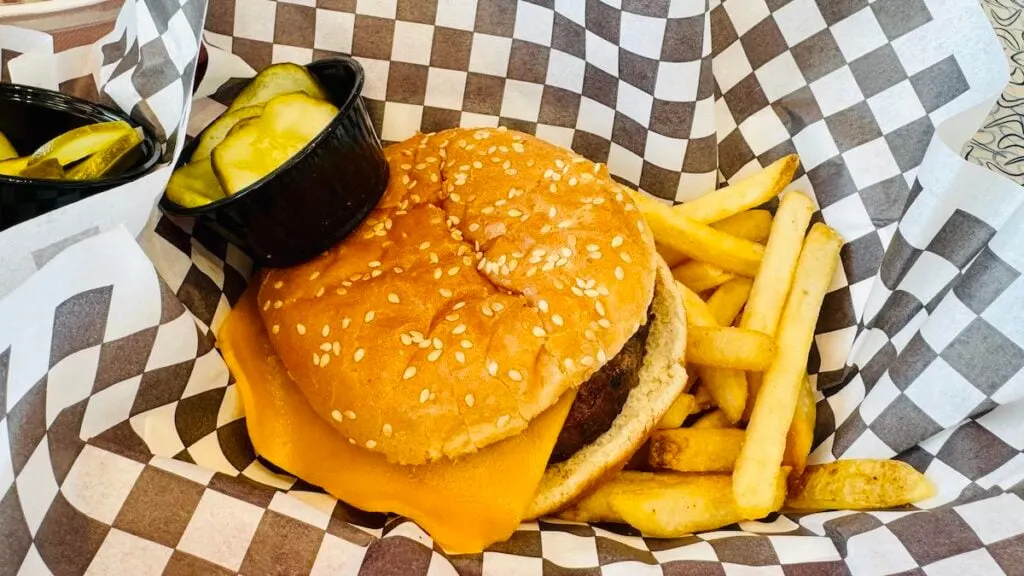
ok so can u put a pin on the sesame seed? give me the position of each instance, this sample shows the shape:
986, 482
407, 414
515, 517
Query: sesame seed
326, 331
433, 356
359, 354
454, 197
345, 322
487, 210
424, 395
619, 274
492, 368
326, 346
350, 415
451, 317
374, 264
453, 270
324, 360
424, 344
625, 257
437, 343
351, 440
569, 364
587, 361
572, 181
278, 284
640, 225
369, 316
445, 292
557, 320
319, 292
437, 274
503, 420
460, 356
371, 444
336, 347
466, 344
278, 304
552, 188
617, 241
515, 213
316, 358
498, 306
336, 415
399, 270
515, 375
539, 332
470, 400
275, 329
565, 224
341, 291
386, 430
424, 245
589, 334
266, 305
375, 273
406, 339
314, 275
433, 258
459, 306
393, 298
300, 328
474, 227
409, 373
601, 356
599, 307
577, 291
486, 309
604, 323
459, 329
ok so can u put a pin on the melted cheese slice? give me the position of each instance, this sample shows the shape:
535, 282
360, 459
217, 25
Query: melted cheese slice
465, 504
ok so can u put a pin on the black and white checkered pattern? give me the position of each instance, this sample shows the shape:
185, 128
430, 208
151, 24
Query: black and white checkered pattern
918, 352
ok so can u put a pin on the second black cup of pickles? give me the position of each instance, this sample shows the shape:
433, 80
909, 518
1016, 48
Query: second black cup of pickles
315, 198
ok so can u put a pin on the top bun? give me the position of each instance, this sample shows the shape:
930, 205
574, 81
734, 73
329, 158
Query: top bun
497, 272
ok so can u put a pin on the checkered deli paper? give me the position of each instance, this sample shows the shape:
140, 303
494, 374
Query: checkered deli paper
135, 55
123, 447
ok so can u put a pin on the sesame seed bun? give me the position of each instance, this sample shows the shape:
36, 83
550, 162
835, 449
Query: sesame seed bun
661, 379
498, 272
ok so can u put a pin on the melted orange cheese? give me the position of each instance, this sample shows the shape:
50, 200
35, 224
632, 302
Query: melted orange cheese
465, 504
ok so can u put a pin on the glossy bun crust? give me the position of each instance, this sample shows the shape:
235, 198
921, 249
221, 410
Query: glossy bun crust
497, 272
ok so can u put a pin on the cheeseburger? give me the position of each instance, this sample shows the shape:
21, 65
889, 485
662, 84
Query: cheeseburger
496, 338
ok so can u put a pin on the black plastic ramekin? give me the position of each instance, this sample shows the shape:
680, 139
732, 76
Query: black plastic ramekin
316, 198
30, 117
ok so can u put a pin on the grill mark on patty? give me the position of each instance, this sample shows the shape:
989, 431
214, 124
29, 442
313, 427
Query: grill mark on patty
600, 399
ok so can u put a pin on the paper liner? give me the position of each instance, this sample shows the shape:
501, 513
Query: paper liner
128, 451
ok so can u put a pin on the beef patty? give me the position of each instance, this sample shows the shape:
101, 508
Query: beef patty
600, 399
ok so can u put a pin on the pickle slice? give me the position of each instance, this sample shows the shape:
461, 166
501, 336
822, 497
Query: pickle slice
275, 80
81, 142
48, 169
111, 161
13, 167
7, 150
252, 151
215, 132
194, 184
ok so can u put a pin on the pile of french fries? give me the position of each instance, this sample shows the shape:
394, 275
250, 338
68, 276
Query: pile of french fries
734, 445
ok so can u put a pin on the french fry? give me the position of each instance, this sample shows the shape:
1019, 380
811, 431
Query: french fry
743, 195
728, 387
683, 236
858, 485
801, 430
677, 412
594, 506
773, 411
700, 276
753, 225
713, 419
728, 300
729, 348
696, 449
702, 397
774, 278
687, 504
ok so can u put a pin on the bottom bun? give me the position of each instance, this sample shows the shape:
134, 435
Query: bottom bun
661, 379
